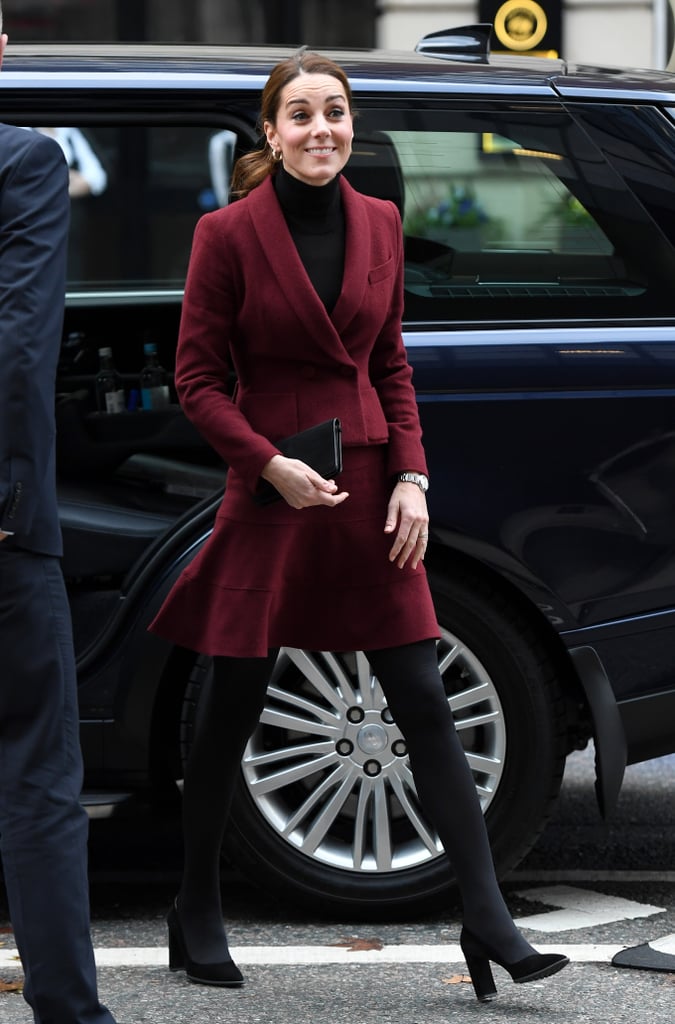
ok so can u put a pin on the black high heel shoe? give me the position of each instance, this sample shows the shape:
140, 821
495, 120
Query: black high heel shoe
224, 973
478, 955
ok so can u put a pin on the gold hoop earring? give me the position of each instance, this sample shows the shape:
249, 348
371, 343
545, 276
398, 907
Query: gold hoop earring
277, 156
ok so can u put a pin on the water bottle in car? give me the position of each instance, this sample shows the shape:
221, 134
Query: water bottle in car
154, 380
109, 387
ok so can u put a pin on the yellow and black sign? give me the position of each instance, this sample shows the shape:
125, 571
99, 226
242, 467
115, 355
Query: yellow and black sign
524, 26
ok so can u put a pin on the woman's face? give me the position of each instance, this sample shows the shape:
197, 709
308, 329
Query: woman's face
313, 128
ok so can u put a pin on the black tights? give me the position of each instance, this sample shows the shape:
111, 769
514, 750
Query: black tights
413, 687
229, 710
414, 691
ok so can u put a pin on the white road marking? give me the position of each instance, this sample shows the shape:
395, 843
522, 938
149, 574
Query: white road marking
580, 908
451, 954
664, 945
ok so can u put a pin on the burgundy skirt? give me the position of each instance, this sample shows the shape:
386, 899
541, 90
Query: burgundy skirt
318, 578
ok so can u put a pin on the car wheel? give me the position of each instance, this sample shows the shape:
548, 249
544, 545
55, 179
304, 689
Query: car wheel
327, 811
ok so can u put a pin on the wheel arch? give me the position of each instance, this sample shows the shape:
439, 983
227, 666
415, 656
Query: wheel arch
591, 708
539, 609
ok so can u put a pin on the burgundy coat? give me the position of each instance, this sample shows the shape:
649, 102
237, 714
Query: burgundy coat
249, 301
319, 577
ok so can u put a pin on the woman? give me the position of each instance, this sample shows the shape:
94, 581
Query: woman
299, 287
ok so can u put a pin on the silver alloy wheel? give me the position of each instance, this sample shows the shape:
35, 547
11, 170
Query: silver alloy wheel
328, 767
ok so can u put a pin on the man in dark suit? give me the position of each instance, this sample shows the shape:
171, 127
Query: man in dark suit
43, 828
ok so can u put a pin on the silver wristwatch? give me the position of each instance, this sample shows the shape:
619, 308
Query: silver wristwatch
420, 479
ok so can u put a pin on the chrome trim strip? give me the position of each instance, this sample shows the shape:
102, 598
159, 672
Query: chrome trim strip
576, 334
467, 85
112, 297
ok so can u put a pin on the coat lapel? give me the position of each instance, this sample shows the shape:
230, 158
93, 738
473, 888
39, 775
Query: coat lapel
287, 267
357, 251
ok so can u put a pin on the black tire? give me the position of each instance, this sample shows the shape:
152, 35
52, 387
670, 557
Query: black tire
517, 753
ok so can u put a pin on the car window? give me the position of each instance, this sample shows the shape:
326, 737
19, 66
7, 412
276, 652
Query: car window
137, 232
509, 215
639, 142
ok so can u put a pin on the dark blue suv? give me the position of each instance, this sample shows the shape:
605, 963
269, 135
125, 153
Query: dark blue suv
538, 204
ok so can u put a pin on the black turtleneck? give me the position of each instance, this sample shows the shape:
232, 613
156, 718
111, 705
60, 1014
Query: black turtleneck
316, 222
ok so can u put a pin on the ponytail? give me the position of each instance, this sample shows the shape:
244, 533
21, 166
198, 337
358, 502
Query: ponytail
251, 169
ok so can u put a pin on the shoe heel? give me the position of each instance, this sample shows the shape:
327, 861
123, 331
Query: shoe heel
481, 976
224, 972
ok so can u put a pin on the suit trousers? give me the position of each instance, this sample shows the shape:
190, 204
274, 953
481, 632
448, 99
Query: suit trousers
43, 828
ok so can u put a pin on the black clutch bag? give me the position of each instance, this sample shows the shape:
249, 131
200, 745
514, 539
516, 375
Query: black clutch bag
320, 447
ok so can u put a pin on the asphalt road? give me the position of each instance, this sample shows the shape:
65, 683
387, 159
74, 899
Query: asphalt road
588, 889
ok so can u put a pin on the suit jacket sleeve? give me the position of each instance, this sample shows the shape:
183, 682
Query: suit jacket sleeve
34, 217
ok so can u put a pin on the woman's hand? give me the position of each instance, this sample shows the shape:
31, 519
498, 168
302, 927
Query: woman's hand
407, 510
299, 485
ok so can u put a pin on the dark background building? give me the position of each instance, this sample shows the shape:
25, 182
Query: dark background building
315, 22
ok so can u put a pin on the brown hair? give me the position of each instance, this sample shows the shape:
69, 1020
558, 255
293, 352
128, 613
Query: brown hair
251, 169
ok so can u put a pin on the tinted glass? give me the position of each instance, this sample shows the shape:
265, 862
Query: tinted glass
136, 232
640, 143
512, 215
509, 214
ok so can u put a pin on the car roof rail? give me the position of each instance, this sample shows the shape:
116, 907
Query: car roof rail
468, 43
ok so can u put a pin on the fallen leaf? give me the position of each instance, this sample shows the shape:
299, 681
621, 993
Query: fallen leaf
457, 979
354, 944
11, 986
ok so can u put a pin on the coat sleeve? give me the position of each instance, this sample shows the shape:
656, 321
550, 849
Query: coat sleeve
34, 218
391, 376
213, 296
